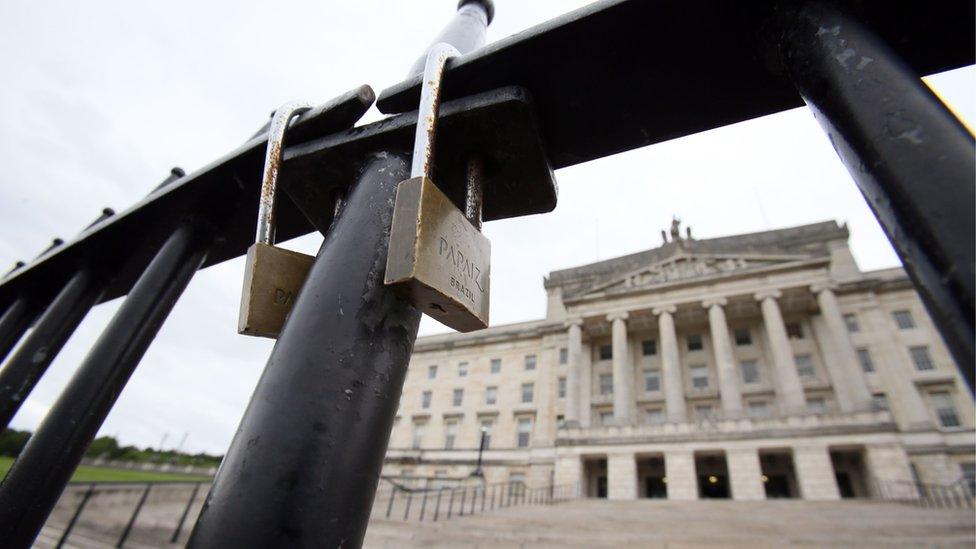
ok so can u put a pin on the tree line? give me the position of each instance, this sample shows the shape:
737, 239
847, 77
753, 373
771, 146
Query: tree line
12, 442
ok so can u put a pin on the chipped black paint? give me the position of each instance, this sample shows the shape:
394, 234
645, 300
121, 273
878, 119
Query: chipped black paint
304, 465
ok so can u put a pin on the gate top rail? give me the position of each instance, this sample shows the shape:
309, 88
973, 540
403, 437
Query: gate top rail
229, 185
648, 72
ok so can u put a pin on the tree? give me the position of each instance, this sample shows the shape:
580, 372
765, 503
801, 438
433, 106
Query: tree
13, 441
105, 447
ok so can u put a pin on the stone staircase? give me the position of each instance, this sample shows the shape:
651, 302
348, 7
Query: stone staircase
645, 523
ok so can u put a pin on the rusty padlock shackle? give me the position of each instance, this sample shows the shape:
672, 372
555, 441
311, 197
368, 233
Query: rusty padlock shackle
422, 163
272, 164
430, 100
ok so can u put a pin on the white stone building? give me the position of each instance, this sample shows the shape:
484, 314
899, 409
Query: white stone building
752, 366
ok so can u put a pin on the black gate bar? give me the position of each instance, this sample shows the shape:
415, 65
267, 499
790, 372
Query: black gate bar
912, 159
39, 475
14, 322
303, 467
54, 327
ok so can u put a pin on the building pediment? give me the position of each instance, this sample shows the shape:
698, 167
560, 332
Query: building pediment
683, 268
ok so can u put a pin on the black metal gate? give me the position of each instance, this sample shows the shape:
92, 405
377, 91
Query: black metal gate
611, 77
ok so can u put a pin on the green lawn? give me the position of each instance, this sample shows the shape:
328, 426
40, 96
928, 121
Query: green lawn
86, 473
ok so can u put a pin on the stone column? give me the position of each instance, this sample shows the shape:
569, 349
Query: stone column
674, 386
745, 474
855, 386
623, 374
586, 386
788, 386
621, 476
728, 379
907, 406
569, 471
574, 352
679, 468
889, 462
815, 472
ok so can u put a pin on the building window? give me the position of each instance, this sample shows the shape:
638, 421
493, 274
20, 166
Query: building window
904, 320
462, 369
516, 478
450, 433
743, 337
606, 352
458, 396
496, 365
758, 408
794, 330
864, 357
654, 416
945, 410
563, 355
816, 405
524, 432
695, 342
921, 358
491, 395
562, 387
529, 363
699, 376
528, 392
606, 418
969, 473
425, 400
606, 384
880, 401
418, 433
431, 372
486, 425
750, 371
649, 347
804, 367
703, 411
850, 320
652, 381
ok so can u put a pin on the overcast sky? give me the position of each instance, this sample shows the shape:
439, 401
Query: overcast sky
101, 98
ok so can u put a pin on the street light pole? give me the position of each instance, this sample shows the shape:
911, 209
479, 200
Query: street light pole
481, 448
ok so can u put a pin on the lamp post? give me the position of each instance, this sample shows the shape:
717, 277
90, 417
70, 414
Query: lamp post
481, 448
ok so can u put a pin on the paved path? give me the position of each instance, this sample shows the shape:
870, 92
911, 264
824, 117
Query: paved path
632, 524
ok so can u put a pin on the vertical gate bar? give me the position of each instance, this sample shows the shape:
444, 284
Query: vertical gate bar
464, 493
135, 515
467, 31
423, 506
437, 507
484, 492
307, 456
186, 512
13, 323
77, 513
910, 156
39, 475
474, 499
389, 506
406, 510
450, 504
54, 327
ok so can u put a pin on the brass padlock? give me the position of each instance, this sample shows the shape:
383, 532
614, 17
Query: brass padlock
272, 276
438, 258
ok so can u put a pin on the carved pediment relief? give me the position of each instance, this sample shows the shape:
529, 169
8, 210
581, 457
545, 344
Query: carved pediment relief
689, 267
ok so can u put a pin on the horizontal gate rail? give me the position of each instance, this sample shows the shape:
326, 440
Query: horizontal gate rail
644, 71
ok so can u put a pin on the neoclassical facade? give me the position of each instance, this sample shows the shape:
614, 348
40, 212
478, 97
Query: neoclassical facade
753, 366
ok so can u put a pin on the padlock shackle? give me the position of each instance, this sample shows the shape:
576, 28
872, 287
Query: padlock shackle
430, 98
272, 164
